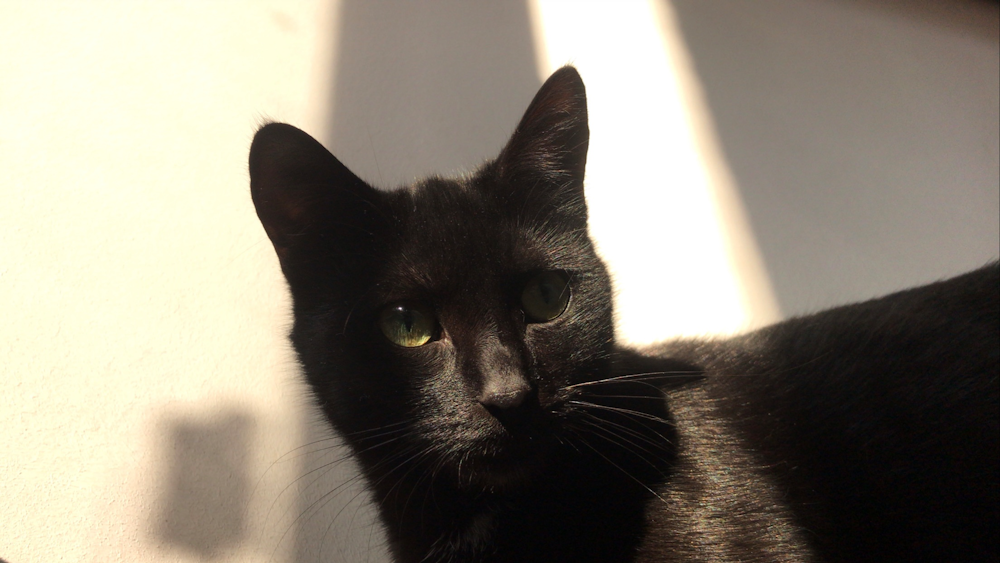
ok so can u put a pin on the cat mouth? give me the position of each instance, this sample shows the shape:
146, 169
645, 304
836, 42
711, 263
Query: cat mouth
520, 451
511, 464
501, 453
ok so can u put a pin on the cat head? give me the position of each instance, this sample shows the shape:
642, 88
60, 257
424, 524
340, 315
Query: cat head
448, 318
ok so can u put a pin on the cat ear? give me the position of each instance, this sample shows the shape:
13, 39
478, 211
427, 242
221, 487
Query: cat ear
549, 145
301, 191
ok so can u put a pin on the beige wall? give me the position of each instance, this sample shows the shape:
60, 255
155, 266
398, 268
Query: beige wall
801, 152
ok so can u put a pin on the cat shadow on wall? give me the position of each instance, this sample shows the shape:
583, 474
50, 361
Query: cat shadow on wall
202, 508
427, 87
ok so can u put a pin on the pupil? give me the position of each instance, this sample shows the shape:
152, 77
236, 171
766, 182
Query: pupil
546, 291
408, 320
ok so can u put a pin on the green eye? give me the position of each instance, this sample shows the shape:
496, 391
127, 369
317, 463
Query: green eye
546, 295
407, 325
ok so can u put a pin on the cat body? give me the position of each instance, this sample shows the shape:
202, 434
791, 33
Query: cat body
458, 335
869, 432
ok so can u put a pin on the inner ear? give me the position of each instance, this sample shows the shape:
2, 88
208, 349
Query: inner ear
550, 143
301, 191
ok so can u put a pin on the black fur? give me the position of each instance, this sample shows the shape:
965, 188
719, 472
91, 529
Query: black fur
865, 433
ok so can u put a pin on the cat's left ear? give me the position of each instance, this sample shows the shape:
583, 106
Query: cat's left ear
546, 156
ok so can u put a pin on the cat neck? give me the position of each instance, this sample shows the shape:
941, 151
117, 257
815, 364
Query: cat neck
430, 519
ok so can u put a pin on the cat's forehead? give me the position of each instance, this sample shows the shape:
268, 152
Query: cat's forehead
449, 220
460, 231
448, 198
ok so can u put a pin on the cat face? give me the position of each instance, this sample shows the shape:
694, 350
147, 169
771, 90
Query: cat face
443, 323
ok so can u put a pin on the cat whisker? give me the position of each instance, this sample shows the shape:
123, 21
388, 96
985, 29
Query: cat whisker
413, 489
424, 452
619, 440
296, 449
614, 438
619, 468
633, 432
347, 318
428, 491
594, 392
637, 397
412, 462
326, 468
342, 509
621, 410
329, 495
376, 429
636, 377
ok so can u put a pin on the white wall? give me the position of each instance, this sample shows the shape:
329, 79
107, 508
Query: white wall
863, 136
771, 157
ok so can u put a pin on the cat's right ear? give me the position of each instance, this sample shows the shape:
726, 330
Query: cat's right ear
544, 161
302, 192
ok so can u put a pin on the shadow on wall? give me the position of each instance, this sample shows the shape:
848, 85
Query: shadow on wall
204, 501
863, 136
428, 87
420, 88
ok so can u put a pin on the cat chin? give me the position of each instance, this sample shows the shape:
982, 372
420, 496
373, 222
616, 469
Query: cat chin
504, 471
504, 475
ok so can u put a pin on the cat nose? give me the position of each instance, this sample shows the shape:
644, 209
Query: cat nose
503, 383
510, 405
510, 398
505, 397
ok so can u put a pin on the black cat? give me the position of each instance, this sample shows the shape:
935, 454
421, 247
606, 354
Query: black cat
458, 335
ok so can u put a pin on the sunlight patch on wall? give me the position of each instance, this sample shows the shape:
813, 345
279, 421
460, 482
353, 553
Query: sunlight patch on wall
665, 211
